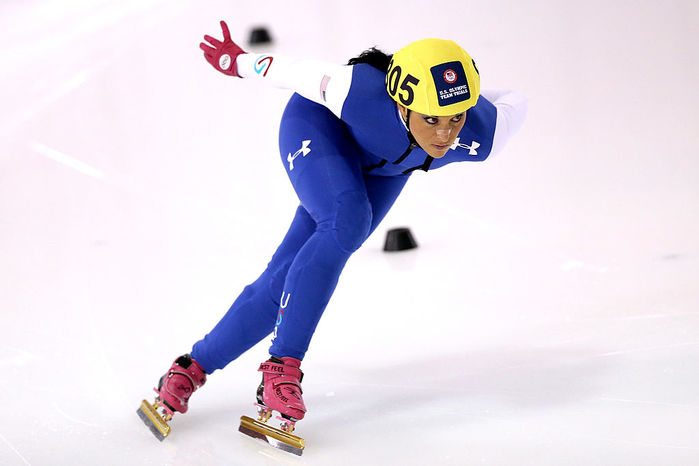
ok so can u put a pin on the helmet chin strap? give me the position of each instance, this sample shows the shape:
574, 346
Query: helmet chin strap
410, 133
413, 144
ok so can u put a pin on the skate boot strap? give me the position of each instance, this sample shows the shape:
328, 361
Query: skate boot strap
190, 369
279, 381
186, 374
270, 367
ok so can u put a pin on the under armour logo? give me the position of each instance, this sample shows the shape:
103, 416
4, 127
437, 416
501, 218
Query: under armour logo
304, 150
471, 149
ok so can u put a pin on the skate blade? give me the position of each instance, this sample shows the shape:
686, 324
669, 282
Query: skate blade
151, 418
275, 437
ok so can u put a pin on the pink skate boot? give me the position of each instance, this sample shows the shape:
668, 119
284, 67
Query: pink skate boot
279, 391
174, 389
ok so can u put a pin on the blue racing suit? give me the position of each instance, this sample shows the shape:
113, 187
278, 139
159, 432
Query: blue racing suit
347, 165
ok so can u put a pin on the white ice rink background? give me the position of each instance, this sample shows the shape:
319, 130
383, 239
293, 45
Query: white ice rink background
550, 315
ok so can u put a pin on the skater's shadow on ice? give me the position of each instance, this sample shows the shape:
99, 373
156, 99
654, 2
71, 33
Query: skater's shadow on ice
512, 378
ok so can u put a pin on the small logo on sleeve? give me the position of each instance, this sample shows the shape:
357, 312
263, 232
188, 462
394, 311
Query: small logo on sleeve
263, 64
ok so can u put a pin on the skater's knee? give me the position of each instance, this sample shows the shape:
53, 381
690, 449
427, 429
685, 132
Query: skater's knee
352, 220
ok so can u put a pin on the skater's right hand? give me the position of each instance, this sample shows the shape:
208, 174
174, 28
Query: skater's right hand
222, 55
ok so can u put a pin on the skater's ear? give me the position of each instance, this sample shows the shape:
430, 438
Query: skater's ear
403, 113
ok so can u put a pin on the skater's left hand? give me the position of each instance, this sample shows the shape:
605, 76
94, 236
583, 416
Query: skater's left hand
222, 55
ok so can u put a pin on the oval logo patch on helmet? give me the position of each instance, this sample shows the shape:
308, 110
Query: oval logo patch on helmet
450, 83
450, 76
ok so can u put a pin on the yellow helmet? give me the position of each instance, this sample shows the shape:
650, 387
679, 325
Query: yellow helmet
433, 77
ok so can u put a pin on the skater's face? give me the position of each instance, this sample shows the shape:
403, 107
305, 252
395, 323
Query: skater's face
435, 134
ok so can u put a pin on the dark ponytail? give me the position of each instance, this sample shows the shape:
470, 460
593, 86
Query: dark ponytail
373, 57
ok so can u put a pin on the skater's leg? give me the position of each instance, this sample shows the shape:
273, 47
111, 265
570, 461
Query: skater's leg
252, 316
325, 169
249, 320
342, 212
328, 180
341, 230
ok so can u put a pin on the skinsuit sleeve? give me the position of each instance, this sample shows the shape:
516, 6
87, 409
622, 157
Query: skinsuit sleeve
325, 83
511, 111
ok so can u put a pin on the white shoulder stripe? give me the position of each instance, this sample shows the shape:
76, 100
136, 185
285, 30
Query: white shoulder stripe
337, 89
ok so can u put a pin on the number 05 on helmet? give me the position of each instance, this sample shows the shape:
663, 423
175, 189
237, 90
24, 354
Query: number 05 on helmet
434, 77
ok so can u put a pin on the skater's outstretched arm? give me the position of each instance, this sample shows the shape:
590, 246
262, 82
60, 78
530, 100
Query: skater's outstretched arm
322, 82
512, 110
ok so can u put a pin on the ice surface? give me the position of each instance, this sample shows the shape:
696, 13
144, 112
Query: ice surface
550, 315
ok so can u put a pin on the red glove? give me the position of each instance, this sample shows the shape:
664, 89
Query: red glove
223, 54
